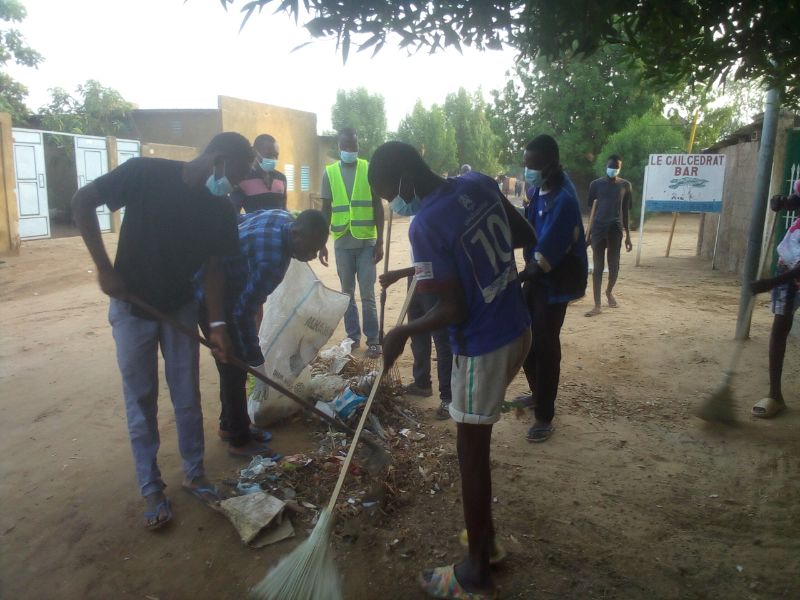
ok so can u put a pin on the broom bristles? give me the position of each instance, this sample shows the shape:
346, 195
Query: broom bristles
719, 405
306, 573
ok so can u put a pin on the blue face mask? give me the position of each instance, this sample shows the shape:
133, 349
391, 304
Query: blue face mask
533, 177
403, 208
348, 157
219, 187
612, 172
268, 164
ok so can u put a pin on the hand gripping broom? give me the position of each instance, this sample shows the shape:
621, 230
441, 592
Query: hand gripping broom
308, 572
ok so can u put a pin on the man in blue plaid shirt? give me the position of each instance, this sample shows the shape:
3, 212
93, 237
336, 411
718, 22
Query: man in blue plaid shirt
268, 240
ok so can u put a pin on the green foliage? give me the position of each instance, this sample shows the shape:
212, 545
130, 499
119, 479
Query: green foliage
363, 111
675, 41
430, 132
579, 102
641, 136
93, 110
721, 109
13, 47
476, 142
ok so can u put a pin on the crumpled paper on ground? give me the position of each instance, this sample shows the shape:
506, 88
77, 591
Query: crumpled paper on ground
259, 518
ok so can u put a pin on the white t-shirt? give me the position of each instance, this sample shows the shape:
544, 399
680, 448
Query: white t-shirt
789, 248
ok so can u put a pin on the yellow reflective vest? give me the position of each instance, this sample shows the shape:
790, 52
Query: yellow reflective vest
355, 213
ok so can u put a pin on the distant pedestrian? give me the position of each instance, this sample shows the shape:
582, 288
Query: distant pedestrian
785, 288
555, 274
610, 200
356, 218
264, 188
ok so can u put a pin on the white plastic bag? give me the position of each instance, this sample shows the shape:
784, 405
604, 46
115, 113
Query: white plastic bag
299, 318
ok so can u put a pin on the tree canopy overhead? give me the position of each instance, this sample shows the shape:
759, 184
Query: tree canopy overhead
675, 40
13, 47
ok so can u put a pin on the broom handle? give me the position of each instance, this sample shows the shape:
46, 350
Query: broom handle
237, 362
385, 270
350, 453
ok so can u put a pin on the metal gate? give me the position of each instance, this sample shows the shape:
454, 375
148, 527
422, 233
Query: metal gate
91, 161
34, 214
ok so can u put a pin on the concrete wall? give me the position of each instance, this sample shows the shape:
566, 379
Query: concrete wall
296, 132
9, 213
179, 127
184, 153
740, 172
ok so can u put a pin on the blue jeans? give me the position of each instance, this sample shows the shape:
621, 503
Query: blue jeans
359, 263
421, 303
138, 341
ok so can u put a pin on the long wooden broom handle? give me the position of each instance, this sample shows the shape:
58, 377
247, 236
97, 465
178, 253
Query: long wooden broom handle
237, 362
350, 453
385, 270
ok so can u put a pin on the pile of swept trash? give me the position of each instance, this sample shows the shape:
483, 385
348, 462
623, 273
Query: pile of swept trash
265, 492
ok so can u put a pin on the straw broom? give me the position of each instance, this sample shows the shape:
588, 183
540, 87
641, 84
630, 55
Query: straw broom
309, 571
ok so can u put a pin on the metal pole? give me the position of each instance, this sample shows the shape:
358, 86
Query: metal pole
692, 134
755, 240
641, 220
716, 241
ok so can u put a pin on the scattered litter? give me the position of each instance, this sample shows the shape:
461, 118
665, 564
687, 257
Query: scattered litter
257, 466
248, 488
259, 518
414, 436
739, 568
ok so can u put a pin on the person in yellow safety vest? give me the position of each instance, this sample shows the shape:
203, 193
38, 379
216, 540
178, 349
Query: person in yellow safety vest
355, 215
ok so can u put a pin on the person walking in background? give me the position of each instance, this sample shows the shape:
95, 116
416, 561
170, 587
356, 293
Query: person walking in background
556, 272
265, 187
178, 218
610, 199
356, 219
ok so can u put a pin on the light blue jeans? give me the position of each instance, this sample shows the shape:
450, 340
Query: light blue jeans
353, 264
138, 341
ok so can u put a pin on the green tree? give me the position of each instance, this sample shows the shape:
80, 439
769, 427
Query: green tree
93, 110
580, 103
641, 136
363, 111
476, 142
720, 109
13, 47
674, 40
430, 132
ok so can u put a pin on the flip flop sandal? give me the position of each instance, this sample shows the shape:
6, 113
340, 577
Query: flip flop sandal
592, 313
499, 553
202, 494
259, 435
540, 433
153, 514
766, 408
441, 582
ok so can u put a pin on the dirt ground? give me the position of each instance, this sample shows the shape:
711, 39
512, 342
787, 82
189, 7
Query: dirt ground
632, 498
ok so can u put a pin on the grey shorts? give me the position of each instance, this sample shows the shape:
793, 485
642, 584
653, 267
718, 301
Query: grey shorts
479, 382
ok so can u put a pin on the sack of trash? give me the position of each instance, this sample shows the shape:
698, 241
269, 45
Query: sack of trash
299, 318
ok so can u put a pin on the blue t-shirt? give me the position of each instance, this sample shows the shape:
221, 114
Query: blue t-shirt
560, 241
461, 235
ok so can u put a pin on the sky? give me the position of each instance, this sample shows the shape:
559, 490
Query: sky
176, 54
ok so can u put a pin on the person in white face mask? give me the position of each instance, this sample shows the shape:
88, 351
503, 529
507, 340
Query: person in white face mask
610, 200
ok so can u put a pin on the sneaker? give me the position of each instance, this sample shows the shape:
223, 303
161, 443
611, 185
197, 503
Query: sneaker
443, 412
373, 351
523, 401
412, 389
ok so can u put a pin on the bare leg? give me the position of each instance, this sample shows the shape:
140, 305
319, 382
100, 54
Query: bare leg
614, 251
781, 326
476, 489
598, 266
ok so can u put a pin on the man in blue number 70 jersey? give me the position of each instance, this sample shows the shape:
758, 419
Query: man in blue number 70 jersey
463, 240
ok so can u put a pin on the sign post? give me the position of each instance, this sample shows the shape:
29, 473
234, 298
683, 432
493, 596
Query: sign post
676, 183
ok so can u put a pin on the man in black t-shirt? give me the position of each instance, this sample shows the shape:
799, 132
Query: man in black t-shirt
177, 220
264, 188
